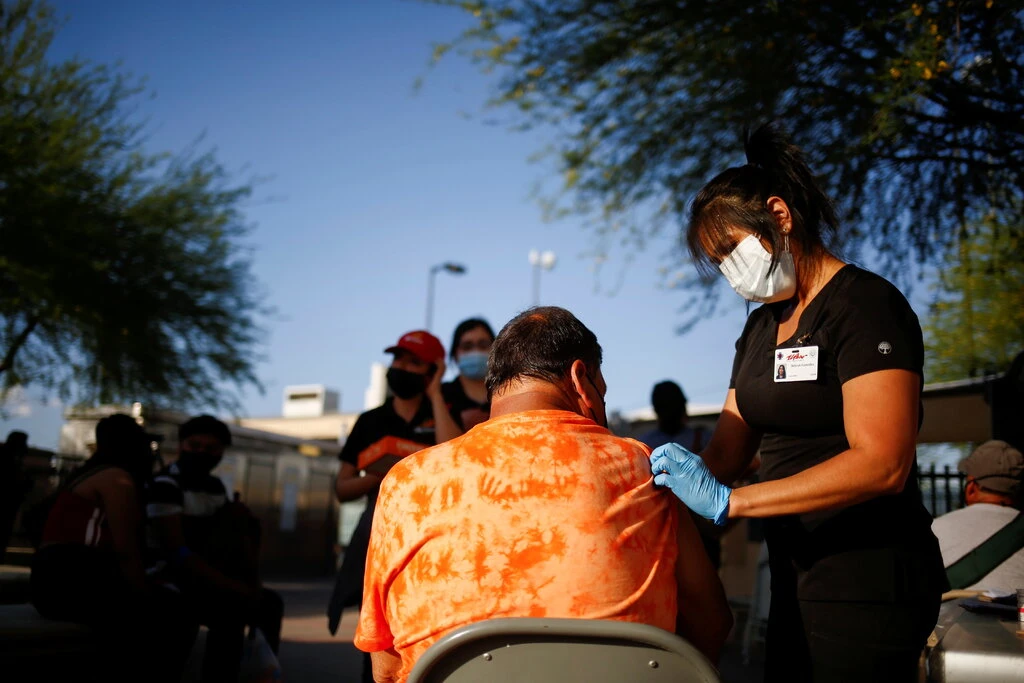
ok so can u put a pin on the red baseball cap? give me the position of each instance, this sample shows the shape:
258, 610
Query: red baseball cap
421, 344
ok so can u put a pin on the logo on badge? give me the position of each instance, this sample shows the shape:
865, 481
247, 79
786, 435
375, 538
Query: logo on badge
885, 348
780, 355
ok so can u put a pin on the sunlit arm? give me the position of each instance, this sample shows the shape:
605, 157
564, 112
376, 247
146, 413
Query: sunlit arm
386, 665
350, 486
445, 426
120, 501
704, 617
880, 414
733, 444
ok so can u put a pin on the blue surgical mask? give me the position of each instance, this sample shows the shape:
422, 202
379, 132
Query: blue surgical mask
473, 364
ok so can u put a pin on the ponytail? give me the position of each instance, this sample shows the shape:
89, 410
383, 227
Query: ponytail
770, 148
738, 197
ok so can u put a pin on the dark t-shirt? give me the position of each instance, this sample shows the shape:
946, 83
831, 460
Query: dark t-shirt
375, 424
860, 323
196, 498
466, 412
369, 428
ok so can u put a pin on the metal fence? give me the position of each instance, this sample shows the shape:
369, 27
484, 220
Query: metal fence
941, 489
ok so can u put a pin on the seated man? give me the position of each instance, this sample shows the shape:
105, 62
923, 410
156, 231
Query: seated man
207, 547
538, 512
983, 544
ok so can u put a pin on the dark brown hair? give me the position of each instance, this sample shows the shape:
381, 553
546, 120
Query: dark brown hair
464, 327
738, 198
541, 343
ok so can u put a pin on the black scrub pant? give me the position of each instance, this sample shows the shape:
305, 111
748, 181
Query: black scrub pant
823, 641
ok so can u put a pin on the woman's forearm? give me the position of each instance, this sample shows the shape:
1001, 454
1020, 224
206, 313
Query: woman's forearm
850, 477
353, 488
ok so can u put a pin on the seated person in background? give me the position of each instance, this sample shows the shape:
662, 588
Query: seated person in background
538, 512
89, 566
207, 547
983, 544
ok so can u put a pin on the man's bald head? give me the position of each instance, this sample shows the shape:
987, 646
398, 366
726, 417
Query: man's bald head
541, 343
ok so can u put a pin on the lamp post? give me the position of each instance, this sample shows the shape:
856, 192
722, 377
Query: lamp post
454, 269
539, 260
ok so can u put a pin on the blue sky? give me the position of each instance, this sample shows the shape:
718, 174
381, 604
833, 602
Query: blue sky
367, 183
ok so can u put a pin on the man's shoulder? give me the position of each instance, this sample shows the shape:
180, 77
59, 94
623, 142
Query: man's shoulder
168, 476
412, 467
376, 414
210, 484
967, 518
171, 476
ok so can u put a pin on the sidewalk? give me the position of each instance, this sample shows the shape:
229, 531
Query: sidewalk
309, 654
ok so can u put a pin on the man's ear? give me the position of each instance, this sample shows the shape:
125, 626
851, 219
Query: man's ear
971, 490
580, 378
780, 211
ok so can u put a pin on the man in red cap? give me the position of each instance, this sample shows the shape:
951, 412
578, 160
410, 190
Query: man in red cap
415, 412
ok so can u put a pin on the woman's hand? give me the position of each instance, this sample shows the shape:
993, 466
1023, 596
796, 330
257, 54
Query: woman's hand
434, 383
686, 475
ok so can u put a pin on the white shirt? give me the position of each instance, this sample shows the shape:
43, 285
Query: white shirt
961, 531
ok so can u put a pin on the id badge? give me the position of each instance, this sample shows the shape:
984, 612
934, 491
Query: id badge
798, 364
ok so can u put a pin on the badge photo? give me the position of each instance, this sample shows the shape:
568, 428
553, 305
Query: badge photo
796, 364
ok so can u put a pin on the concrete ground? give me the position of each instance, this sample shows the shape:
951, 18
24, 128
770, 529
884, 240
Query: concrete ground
309, 654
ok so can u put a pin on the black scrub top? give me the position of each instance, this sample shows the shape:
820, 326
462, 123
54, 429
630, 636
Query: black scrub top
374, 425
369, 428
882, 549
466, 412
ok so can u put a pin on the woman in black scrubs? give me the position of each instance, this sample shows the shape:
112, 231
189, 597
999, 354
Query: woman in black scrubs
856, 572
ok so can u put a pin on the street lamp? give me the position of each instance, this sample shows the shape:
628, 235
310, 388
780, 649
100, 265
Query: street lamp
538, 260
454, 269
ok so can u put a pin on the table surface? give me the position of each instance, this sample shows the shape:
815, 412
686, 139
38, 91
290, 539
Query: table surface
975, 647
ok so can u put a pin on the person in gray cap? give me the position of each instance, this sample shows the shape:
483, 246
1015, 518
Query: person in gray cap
982, 544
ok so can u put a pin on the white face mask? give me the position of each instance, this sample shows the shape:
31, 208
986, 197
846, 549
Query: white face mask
746, 269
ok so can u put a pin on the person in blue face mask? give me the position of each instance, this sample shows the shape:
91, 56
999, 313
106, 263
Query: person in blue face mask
466, 395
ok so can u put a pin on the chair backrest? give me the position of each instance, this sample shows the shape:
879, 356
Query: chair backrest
562, 650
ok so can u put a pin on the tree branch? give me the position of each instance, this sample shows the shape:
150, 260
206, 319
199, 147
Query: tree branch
8, 362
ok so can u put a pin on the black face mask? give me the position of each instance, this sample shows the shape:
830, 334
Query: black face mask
192, 463
405, 384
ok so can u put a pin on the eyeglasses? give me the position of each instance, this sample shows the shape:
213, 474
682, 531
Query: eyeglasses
481, 345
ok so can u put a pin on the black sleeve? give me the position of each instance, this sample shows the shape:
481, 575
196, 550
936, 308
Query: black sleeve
741, 344
878, 331
358, 439
454, 400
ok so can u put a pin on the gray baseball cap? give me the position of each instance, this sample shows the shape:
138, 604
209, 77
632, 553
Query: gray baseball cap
996, 466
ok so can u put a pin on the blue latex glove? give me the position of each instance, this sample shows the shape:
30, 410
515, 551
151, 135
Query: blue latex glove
686, 475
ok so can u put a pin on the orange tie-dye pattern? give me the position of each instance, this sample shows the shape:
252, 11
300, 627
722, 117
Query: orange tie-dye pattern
539, 513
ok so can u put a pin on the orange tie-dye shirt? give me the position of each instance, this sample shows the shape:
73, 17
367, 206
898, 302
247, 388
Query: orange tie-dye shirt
534, 514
